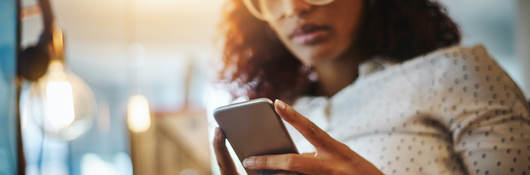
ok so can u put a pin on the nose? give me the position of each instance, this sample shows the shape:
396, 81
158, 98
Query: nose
297, 7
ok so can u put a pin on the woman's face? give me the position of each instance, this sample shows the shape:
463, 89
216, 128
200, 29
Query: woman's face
315, 34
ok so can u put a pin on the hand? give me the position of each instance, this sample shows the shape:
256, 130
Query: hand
331, 156
226, 165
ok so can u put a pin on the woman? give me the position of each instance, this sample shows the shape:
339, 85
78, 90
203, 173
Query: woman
377, 86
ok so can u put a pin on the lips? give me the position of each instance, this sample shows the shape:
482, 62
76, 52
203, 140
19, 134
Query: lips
310, 34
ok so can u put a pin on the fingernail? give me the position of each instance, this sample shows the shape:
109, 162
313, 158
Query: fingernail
281, 104
218, 131
249, 162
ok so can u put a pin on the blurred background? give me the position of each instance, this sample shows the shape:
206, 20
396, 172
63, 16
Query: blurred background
160, 56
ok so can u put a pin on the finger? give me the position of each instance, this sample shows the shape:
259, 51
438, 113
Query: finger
313, 154
226, 164
286, 173
316, 136
286, 162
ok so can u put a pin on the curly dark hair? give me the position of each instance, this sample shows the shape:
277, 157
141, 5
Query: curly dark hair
256, 64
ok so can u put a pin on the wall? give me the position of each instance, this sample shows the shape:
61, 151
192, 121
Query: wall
8, 35
523, 42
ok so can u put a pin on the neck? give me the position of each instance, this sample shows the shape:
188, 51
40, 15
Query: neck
337, 74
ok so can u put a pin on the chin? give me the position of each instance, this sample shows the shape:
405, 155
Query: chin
318, 53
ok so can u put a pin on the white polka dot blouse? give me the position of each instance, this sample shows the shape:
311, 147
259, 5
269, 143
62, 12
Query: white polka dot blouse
453, 111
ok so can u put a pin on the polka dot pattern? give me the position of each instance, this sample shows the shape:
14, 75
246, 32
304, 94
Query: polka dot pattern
453, 111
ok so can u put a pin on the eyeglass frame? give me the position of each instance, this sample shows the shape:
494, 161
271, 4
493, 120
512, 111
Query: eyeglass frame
255, 12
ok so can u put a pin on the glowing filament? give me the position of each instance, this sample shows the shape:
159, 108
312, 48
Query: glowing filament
59, 105
138, 118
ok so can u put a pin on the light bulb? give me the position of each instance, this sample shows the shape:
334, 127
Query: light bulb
60, 103
138, 114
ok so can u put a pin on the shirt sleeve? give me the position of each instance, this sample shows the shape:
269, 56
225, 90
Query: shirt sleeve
485, 112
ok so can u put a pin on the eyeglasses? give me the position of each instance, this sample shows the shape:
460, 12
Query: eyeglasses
273, 9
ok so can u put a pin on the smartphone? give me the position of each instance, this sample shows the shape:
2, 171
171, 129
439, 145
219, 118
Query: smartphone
254, 128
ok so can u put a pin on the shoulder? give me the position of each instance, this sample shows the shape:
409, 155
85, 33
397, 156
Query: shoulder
461, 72
466, 65
469, 75
459, 59
458, 64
